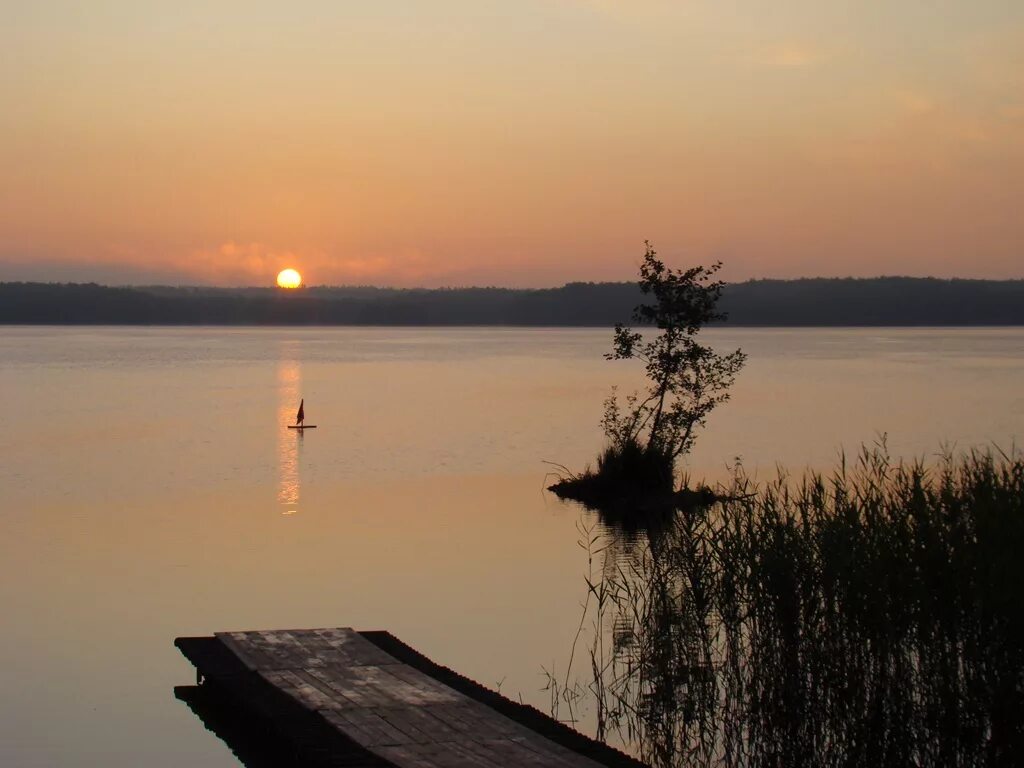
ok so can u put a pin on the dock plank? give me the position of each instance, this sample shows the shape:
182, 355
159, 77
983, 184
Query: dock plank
382, 709
367, 727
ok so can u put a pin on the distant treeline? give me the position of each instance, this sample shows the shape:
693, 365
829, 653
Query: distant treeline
806, 302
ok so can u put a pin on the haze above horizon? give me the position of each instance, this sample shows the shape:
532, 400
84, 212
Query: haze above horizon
527, 144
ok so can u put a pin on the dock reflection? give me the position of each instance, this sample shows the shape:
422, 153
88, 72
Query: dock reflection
253, 743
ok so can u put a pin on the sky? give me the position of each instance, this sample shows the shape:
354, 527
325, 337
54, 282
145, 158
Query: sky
515, 143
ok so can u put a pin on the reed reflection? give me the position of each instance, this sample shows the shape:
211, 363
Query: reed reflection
871, 618
289, 442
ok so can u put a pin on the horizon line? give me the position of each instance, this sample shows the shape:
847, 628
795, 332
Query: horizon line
369, 286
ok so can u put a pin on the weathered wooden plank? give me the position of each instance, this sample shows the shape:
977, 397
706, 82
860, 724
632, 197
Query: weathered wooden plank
410, 756
293, 649
307, 694
487, 753
523, 752
476, 721
367, 727
405, 720
390, 710
336, 694
358, 685
352, 646
427, 689
431, 756
362, 734
500, 752
347, 647
410, 687
258, 652
463, 753
423, 718
249, 655
376, 687
546, 753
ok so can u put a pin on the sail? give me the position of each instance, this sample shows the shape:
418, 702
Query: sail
301, 414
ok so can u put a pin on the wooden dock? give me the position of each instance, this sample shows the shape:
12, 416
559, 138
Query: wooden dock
338, 697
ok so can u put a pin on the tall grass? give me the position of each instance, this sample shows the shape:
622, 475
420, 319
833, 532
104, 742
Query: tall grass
873, 617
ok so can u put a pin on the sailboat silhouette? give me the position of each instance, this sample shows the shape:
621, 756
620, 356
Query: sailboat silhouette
300, 417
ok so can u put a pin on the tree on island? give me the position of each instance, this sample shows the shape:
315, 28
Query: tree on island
686, 380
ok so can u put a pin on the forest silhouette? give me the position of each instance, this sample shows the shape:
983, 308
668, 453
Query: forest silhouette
884, 301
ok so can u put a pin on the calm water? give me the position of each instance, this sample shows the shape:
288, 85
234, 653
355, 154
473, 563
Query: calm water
151, 490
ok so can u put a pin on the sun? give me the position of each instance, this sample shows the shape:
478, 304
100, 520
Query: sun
289, 278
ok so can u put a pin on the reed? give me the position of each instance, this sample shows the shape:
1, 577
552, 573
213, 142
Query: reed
871, 617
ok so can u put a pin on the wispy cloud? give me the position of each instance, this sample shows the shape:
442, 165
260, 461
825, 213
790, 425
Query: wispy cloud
917, 102
629, 8
256, 264
791, 56
233, 262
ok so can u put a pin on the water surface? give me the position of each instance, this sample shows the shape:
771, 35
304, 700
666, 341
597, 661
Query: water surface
150, 489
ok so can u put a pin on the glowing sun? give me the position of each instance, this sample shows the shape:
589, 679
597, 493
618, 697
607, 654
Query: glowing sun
289, 278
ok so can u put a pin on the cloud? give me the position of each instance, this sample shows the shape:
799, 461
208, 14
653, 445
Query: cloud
239, 263
233, 262
917, 102
253, 263
1013, 113
791, 56
622, 9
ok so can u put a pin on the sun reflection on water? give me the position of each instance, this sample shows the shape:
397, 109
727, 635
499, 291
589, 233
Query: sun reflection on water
289, 441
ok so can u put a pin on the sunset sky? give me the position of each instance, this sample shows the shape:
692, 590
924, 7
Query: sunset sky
525, 143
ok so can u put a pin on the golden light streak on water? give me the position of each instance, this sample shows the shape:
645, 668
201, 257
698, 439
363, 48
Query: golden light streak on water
289, 441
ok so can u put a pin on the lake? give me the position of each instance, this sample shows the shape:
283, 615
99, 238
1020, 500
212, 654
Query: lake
151, 489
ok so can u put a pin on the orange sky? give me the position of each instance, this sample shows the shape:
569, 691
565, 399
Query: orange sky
523, 143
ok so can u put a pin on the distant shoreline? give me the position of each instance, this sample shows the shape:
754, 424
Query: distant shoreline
522, 326
805, 303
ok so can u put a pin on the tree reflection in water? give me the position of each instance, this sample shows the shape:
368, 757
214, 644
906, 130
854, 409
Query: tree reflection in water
872, 618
